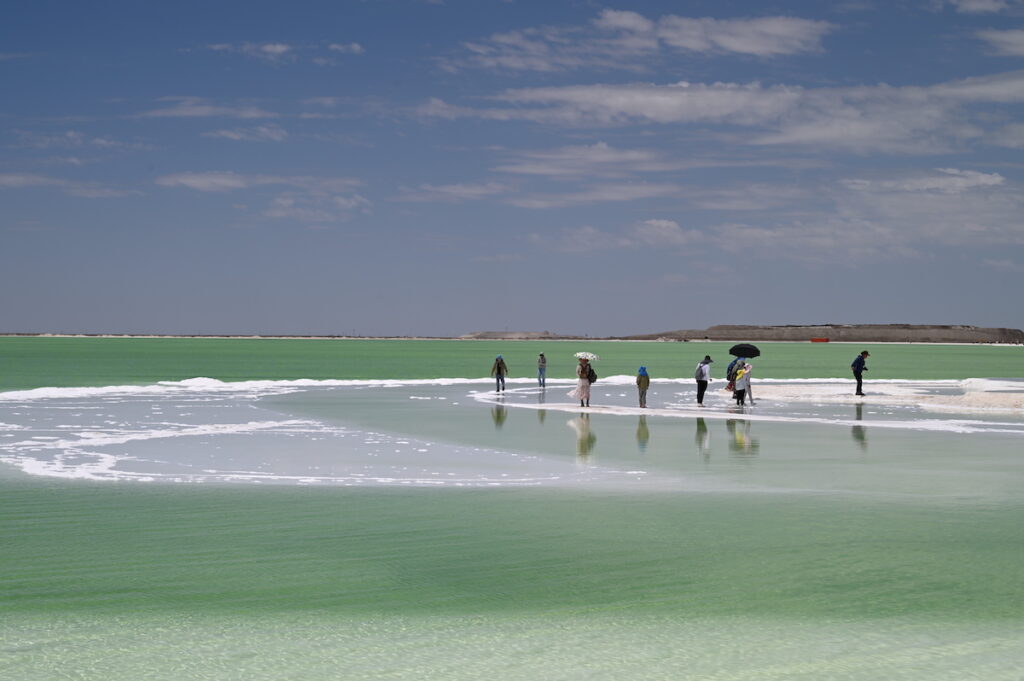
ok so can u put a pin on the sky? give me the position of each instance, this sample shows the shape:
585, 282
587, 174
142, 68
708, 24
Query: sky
414, 167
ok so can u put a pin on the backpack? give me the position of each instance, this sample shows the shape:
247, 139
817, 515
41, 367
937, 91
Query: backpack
699, 373
730, 373
591, 374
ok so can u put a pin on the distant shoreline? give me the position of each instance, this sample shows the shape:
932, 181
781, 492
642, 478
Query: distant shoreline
852, 333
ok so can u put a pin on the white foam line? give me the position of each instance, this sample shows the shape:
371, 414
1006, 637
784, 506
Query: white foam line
99, 439
196, 387
723, 415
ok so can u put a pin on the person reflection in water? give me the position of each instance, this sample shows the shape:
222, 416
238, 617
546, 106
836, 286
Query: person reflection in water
859, 433
703, 439
499, 413
585, 439
741, 443
642, 434
541, 413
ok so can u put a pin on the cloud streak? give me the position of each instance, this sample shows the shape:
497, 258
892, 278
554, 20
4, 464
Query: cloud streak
618, 39
911, 119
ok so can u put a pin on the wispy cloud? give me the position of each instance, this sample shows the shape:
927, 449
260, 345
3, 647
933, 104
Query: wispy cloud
74, 139
304, 199
879, 118
270, 52
946, 181
598, 159
618, 39
602, 193
453, 193
88, 190
346, 48
260, 133
1006, 43
657, 233
198, 107
980, 6
851, 222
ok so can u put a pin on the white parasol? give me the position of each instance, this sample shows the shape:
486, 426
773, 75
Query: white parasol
586, 355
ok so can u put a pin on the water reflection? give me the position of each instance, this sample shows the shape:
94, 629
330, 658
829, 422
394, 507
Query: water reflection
740, 441
642, 434
859, 433
585, 438
499, 413
703, 439
541, 399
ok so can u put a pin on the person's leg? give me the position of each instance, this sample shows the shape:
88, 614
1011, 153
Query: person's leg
860, 383
702, 387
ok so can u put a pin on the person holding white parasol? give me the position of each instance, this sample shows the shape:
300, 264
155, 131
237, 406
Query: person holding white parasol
585, 375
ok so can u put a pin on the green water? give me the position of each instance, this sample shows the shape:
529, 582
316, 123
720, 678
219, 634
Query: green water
864, 557
38, 362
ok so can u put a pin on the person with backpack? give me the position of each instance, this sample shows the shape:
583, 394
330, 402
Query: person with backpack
730, 372
643, 382
703, 376
585, 375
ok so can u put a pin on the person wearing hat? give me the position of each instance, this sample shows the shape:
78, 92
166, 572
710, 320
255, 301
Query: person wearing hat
703, 376
643, 382
859, 368
542, 369
499, 370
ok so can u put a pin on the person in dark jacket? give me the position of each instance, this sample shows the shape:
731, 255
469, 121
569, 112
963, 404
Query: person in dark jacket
499, 370
859, 367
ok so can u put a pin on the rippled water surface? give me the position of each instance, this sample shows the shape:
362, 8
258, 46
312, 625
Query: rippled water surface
434, 529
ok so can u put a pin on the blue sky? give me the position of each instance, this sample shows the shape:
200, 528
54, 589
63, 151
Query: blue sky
403, 167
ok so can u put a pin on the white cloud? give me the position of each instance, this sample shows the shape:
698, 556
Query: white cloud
220, 181
1007, 43
948, 181
261, 133
304, 199
627, 40
316, 208
1011, 136
580, 240
657, 233
453, 193
73, 139
197, 107
346, 48
88, 190
878, 118
751, 197
271, 52
764, 37
663, 233
603, 193
981, 6
598, 159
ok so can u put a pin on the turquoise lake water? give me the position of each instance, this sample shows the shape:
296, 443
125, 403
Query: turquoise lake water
411, 529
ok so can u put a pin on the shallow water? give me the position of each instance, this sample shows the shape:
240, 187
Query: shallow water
434, 529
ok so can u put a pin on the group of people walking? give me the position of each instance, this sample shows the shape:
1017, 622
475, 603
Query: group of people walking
738, 374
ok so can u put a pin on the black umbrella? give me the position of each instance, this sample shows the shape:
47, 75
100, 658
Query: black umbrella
744, 350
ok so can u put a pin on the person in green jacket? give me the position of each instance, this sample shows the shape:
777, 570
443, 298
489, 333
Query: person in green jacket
643, 381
